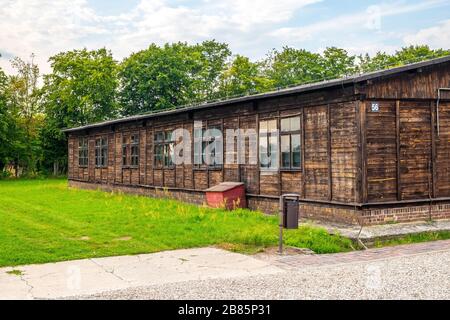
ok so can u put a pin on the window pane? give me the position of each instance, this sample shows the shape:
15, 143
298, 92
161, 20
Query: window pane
124, 155
285, 125
263, 126
273, 151
296, 151
263, 151
285, 152
159, 136
272, 125
168, 136
295, 124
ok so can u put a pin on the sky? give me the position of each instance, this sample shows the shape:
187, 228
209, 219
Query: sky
251, 28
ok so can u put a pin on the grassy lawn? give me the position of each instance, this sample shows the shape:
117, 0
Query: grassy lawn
45, 221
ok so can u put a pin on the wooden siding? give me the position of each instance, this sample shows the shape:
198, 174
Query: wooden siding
344, 152
316, 153
381, 152
421, 84
442, 162
415, 151
350, 154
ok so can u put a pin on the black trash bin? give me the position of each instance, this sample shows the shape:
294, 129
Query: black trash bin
290, 214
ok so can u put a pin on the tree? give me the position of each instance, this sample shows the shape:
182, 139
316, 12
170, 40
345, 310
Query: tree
292, 66
80, 90
406, 55
379, 61
413, 54
243, 77
5, 122
337, 63
213, 60
24, 107
170, 76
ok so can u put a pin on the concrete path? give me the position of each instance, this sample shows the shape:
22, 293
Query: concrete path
91, 276
370, 233
406, 272
411, 271
371, 255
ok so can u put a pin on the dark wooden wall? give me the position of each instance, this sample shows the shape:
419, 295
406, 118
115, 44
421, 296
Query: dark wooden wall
350, 153
329, 151
404, 158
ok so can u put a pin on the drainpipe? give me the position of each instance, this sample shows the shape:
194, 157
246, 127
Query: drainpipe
437, 108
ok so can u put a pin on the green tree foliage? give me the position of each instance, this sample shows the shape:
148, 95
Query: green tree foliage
292, 66
24, 108
298, 66
80, 90
166, 77
337, 63
6, 123
404, 56
82, 87
89, 86
243, 77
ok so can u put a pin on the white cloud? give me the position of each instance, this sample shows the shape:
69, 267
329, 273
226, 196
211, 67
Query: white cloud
46, 27
370, 19
436, 37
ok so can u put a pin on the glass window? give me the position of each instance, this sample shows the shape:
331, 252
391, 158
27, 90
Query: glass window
268, 144
101, 152
135, 150
291, 143
83, 152
164, 149
285, 152
208, 140
124, 151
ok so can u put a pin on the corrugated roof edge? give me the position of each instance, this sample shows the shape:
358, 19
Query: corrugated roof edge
292, 90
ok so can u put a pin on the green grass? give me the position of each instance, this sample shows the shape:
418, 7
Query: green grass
414, 238
45, 221
15, 273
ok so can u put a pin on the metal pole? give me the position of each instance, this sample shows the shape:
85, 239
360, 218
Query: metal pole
280, 237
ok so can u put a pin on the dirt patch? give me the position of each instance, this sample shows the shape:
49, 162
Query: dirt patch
124, 238
272, 253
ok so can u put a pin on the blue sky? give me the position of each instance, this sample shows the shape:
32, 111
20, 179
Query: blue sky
46, 27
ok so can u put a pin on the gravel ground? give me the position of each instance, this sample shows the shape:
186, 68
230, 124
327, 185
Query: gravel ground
424, 276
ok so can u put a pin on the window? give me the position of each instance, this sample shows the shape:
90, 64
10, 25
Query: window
83, 152
124, 152
290, 143
268, 144
134, 150
101, 152
130, 150
164, 149
208, 147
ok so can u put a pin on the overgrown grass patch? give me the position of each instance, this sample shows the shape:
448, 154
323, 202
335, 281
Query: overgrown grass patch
45, 221
414, 238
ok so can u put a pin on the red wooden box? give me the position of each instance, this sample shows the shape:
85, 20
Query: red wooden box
230, 195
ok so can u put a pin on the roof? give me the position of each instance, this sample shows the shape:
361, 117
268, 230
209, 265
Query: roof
291, 90
225, 186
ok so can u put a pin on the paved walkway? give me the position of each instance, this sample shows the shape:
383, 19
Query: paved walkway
90, 276
370, 233
408, 272
411, 271
300, 261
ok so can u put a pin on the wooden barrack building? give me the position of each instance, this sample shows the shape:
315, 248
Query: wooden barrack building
367, 149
